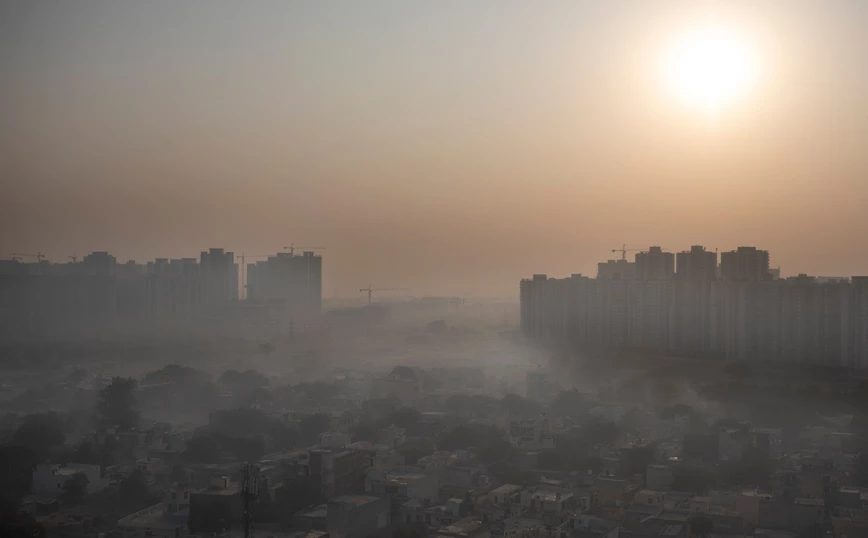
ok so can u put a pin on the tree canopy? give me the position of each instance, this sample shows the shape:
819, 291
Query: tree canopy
40, 432
117, 404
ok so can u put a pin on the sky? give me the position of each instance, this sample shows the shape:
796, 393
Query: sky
446, 147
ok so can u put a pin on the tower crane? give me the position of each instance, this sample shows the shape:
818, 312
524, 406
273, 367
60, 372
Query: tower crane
291, 248
39, 256
370, 290
624, 250
244, 270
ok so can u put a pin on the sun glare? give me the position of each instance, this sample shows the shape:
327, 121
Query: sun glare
710, 67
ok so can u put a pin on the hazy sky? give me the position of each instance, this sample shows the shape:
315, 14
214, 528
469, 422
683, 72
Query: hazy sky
452, 147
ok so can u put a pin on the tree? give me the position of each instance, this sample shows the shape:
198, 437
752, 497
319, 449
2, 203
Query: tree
489, 441
75, 488
516, 405
598, 431
134, 488
701, 525
664, 392
203, 449
40, 432
15, 474
633, 421
86, 452
15, 524
509, 473
312, 426
568, 403
737, 370
243, 381
318, 391
692, 479
173, 373
416, 447
636, 460
405, 417
117, 405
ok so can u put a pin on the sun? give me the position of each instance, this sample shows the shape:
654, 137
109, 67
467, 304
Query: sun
710, 67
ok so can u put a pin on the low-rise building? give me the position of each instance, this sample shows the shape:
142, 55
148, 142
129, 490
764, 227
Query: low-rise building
356, 516
166, 519
469, 527
403, 482
50, 478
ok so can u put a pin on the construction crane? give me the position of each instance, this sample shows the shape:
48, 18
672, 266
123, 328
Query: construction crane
74, 258
39, 256
244, 270
291, 248
624, 250
370, 290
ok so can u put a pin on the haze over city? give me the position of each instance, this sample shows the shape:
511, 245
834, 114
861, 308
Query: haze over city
451, 147
409, 269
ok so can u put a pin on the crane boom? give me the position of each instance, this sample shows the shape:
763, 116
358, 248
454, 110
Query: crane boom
370, 290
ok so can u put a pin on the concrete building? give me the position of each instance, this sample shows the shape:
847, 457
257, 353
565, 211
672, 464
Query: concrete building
696, 264
655, 264
219, 277
745, 264
166, 519
295, 281
616, 270
403, 482
357, 516
331, 472
742, 316
48, 478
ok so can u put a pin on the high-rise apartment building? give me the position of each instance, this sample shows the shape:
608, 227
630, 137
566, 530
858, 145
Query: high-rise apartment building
696, 264
745, 264
655, 264
219, 274
616, 270
285, 278
742, 316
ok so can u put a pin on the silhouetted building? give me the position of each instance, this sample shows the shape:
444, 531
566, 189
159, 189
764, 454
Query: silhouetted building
746, 264
99, 264
696, 264
799, 319
97, 294
655, 264
616, 270
219, 275
289, 279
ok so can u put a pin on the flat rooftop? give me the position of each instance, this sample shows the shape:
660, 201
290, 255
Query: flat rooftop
356, 500
462, 527
155, 517
507, 489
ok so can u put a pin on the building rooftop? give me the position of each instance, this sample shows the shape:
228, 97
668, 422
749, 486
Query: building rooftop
546, 493
462, 527
355, 500
506, 489
155, 517
522, 522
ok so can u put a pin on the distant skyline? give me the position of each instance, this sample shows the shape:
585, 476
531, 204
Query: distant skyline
449, 147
